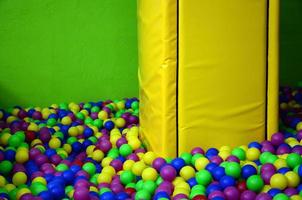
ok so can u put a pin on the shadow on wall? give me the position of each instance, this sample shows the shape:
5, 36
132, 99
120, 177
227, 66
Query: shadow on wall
290, 42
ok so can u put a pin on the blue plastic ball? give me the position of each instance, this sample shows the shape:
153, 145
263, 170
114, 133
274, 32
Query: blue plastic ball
107, 196
283, 170
46, 195
274, 191
247, 171
211, 166
227, 181
68, 175
121, 196
211, 152
109, 125
192, 182
178, 163
161, 194
213, 187
50, 152
75, 168
218, 173
76, 147
9, 155
255, 145
88, 132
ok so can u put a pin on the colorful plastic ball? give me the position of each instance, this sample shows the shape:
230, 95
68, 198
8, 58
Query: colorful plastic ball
54, 143
89, 168
187, 172
231, 193
125, 150
218, 173
5, 167
150, 186
233, 169
168, 173
186, 157
149, 157
253, 154
142, 195
281, 196
255, 183
201, 163
107, 196
149, 174
121, 196
19, 178
278, 181
127, 177
247, 171
293, 160
138, 168
158, 163
203, 177
179, 163
227, 181
239, 153
109, 125
277, 139
248, 195
293, 179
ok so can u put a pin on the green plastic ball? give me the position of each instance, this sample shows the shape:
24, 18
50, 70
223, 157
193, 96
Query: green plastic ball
14, 141
239, 153
61, 167
264, 157
135, 105
187, 157
89, 168
255, 183
37, 187
142, 195
125, 150
139, 185
281, 196
51, 122
233, 169
203, 177
150, 186
293, 160
127, 177
5, 167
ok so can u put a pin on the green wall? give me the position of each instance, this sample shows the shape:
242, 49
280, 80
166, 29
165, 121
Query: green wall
54, 51
291, 42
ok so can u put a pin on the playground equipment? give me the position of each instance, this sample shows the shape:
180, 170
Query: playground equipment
210, 68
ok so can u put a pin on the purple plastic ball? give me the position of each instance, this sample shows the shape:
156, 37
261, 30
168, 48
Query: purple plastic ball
248, 195
158, 163
168, 173
231, 193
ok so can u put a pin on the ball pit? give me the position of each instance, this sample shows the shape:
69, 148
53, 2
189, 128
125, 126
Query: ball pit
94, 151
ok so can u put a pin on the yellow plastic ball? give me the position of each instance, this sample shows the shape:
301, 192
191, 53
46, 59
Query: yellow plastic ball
2, 181
279, 163
93, 189
187, 172
252, 154
138, 167
149, 157
73, 131
293, 179
149, 174
33, 127
182, 185
22, 156
224, 154
19, 178
128, 164
9, 187
39, 179
278, 181
70, 194
135, 143
296, 197
109, 170
97, 155
120, 122
90, 149
10, 119
104, 178
67, 148
299, 126
180, 191
225, 148
22, 191
66, 120
103, 115
4, 138
106, 161
266, 188
54, 143
201, 163
178, 180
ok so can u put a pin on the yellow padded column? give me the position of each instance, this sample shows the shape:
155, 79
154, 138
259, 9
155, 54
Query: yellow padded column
157, 74
222, 72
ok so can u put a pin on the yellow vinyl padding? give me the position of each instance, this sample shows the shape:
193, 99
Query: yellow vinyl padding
157, 74
208, 72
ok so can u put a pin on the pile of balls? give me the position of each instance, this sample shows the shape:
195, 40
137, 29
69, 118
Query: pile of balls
94, 151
